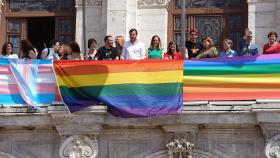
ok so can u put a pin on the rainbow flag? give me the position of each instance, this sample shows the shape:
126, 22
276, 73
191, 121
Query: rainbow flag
26, 82
239, 78
129, 88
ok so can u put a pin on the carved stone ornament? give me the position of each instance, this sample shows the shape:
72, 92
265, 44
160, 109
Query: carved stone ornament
180, 147
272, 149
79, 147
1, 5
152, 3
90, 3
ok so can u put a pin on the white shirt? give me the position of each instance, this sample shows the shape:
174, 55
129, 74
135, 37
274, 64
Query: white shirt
14, 56
52, 55
135, 51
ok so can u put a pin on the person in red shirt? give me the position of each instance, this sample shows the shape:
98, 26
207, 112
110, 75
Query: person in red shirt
173, 52
273, 46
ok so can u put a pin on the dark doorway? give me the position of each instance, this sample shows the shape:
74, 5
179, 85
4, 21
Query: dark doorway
40, 31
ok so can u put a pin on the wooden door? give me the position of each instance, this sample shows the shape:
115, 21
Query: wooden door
214, 18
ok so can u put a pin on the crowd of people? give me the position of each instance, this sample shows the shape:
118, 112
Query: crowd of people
133, 49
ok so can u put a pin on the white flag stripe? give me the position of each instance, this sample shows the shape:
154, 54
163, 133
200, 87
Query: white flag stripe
42, 78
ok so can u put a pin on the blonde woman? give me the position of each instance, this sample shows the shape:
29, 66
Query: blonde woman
155, 51
209, 51
119, 42
65, 52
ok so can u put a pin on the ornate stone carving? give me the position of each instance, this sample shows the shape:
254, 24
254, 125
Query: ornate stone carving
180, 147
272, 149
5, 155
90, 3
152, 3
1, 5
79, 147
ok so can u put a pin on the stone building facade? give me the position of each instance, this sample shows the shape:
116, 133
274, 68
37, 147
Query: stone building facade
245, 129
248, 129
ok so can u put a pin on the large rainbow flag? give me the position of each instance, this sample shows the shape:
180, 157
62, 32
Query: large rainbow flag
239, 78
128, 88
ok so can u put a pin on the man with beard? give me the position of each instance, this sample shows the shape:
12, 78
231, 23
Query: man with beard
107, 52
133, 49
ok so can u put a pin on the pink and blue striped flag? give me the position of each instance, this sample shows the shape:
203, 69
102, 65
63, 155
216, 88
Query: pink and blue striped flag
27, 82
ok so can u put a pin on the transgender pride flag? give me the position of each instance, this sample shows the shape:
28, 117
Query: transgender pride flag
28, 82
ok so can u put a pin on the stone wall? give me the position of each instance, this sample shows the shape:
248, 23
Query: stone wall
204, 129
111, 17
150, 17
263, 18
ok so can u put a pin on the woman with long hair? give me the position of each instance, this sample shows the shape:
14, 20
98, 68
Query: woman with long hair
7, 51
209, 51
65, 52
75, 51
119, 42
173, 52
155, 51
27, 50
92, 46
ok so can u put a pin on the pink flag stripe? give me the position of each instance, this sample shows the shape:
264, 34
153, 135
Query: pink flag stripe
6, 70
42, 88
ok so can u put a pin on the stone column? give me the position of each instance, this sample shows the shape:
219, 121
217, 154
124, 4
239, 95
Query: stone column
1, 5
262, 19
180, 139
94, 26
152, 19
121, 17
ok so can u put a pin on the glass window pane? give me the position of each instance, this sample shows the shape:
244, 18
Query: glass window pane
15, 40
14, 26
234, 22
41, 5
235, 37
216, 3
208, 3
65, 39
177, 4
177, 22
65, 26
209, 26
177, 38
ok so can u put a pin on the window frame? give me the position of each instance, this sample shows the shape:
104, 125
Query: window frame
223, 12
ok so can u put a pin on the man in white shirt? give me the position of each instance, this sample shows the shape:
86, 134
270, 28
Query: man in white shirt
133, 49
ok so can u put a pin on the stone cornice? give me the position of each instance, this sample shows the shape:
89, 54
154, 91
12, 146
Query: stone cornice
1, 5
89, 3
261, 1
153, 3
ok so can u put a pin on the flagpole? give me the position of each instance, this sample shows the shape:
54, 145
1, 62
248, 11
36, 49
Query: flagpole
183, 28
84, 30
